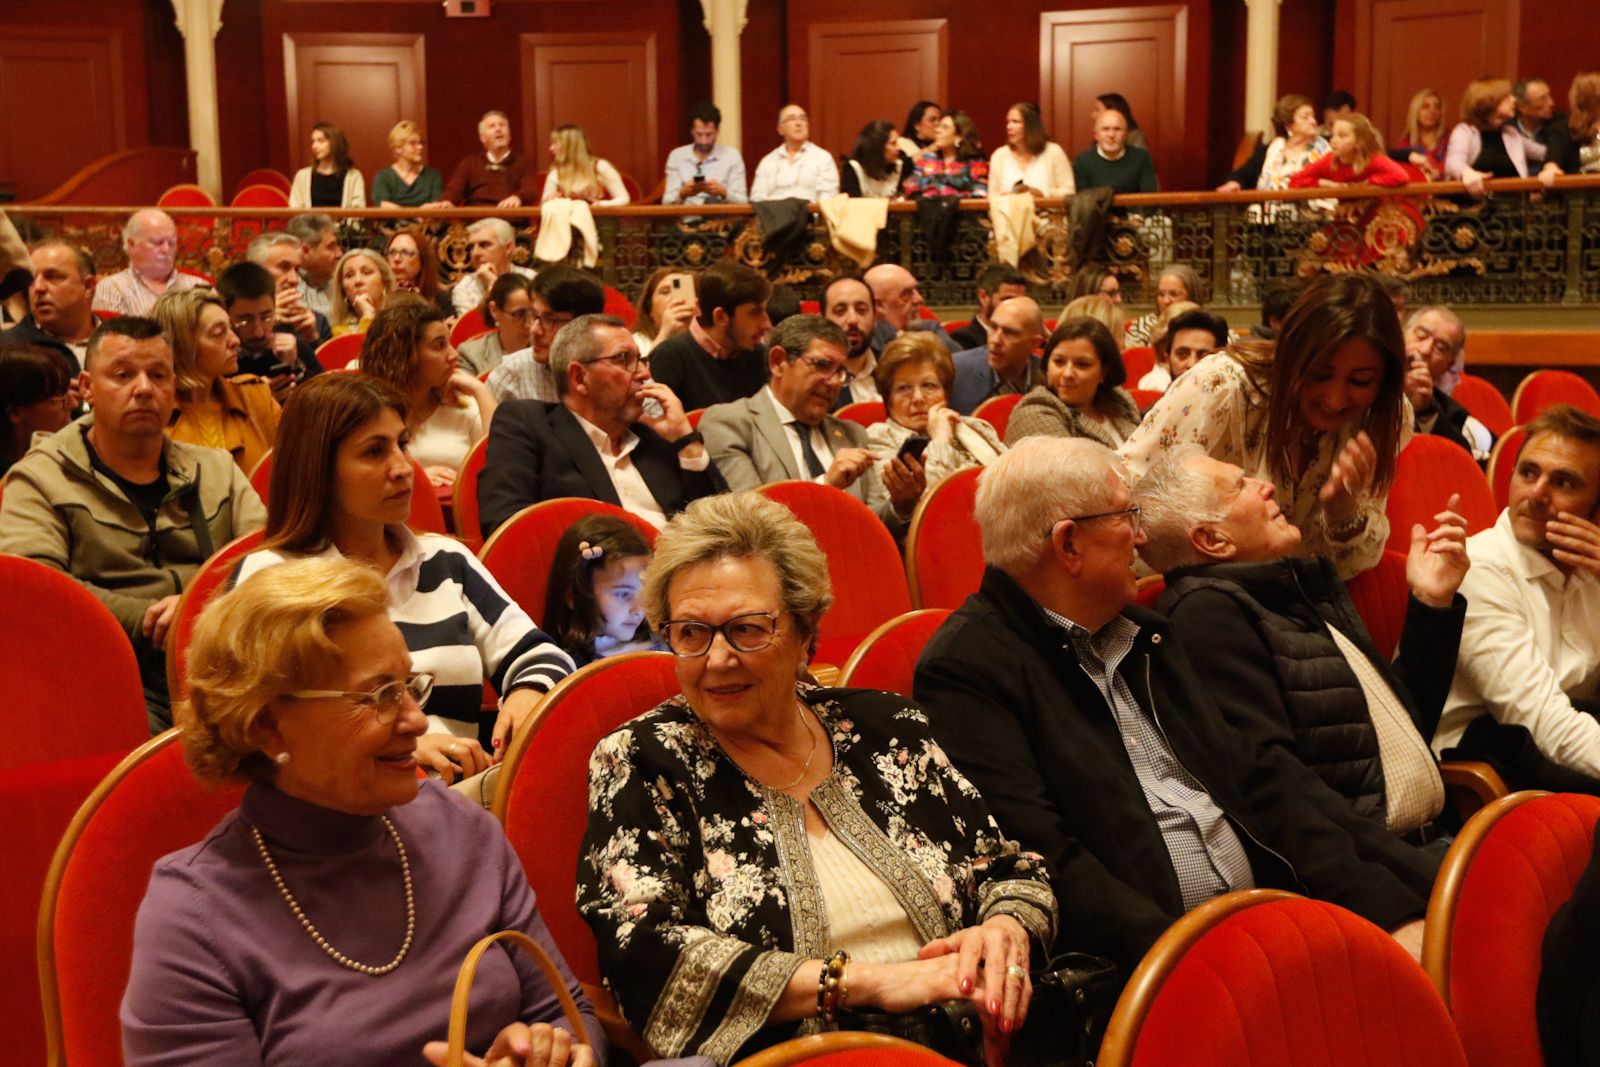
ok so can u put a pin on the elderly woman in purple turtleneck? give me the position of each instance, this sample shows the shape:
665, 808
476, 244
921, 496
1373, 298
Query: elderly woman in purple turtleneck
324, 920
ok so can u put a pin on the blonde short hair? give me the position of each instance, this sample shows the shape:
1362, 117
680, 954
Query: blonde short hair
270, 636
401, 132
741, 526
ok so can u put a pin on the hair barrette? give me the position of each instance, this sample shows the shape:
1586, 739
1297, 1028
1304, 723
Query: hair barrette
590, 552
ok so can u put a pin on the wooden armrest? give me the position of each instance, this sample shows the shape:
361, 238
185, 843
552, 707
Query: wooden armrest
825, 674
618, 1032
1470, 784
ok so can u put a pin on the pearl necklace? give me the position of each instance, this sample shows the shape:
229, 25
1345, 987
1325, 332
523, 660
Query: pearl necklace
322, 942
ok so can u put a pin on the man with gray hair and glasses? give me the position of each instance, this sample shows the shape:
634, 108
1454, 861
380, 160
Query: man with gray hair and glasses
490, 242
1436, 346
151, 241
600, 440
1084, 726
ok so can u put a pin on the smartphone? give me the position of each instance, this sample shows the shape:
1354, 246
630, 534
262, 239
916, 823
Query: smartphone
913, 448
676, 285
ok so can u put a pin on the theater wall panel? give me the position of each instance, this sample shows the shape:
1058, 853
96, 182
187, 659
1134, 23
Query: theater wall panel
361, 82
64, 103
861, 71
605, 82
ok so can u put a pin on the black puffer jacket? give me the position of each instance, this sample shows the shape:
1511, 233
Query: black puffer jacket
1258, 633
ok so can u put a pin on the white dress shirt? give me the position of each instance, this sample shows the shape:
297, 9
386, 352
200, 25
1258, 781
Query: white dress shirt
632, 492
793, 428
864, 386
809, 174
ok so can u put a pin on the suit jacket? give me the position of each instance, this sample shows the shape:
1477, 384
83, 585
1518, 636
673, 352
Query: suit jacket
751, 446
976, 380
29, 332
538, 451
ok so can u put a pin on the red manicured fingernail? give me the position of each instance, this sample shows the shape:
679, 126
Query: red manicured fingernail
497, 742
966, 985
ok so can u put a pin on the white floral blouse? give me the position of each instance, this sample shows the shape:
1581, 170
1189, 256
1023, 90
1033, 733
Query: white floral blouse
1218, 407
699, 884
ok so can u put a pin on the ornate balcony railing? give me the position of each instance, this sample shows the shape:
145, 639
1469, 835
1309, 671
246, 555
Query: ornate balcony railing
1521, 245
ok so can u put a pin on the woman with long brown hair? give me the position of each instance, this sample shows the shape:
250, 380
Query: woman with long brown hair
1029, 161
331, 180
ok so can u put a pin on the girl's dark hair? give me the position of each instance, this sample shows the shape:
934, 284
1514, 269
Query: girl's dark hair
914, 116
969, 145
1082, 328
29, 373
338, 145
1119, 103
571, 614
869, 148
1034, 137
500, 292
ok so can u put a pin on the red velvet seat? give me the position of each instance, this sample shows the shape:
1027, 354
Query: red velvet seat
266, 176
464, 499
1149, 590
1138, 361
1426, 473
1381, 596
520, 552
1546, 388
468, 326
1503, 464
956, 324
863, 412
845, 1048
195, 232
869, 587
887, 659
1145, 399
996, 411
260, 196
337, 353
427, 514
1264, 978
1485, 403
1508, 871
212, 576
618, 304
944, 549
148, 806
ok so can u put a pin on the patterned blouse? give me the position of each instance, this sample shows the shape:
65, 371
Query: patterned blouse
936, 176
1219, 407
699, 884
1043, 413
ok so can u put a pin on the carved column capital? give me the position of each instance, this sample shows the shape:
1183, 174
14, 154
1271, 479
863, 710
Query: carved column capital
208, 13
709, 8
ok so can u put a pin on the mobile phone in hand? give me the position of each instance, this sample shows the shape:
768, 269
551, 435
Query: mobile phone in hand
913, 448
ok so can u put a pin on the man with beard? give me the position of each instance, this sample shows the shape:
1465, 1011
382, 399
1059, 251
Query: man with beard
848, 304
720, 357
1528, 673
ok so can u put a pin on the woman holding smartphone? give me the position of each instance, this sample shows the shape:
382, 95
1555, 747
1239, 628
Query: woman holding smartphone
914, 375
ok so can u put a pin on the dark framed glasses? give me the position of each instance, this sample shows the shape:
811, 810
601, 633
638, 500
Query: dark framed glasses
744, 633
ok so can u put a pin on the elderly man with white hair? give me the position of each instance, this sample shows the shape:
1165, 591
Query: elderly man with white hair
1083, 724
151, 240
1436, 345
490, 243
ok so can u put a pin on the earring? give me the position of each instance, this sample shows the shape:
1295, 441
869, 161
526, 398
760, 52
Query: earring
281, 758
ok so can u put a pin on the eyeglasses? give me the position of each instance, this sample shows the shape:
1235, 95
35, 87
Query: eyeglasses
906, 390
553, 320
744, 633
266, 320
830, 370
1132, 514
521, 314
628, 361
385, 702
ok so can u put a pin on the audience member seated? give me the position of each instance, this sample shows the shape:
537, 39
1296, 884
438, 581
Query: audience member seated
507, 310
576, 173
15, 274
1436, 344
1029, 162
1090, 280
365, 282
1276, 301
704, 171
1007, 364
721, 356
59, 303
1320, 413
280, 254
408, 181
1539, 123
592, 601
997, 283
784, 432
495, 177
1279, 644
114, 503
1119, 103
898, 302
1528, 675
849, 305
1113, 163
796, 169
1102, 310
490, 243
915, 376
922, 123
345, 492
35, 397
151, 240
1584, 123
1484, 144
303, 690
666, 304
954, 164
1355, 156
1297, 145
217, 406
1082, 394
783, 303
447, 409
849, 862
558, 294
598, 441
1185, 334
268, 349
1425, 140
1177, 281
415, 266
875, 167
320, 253
1097, 745
1336, 105
331, 180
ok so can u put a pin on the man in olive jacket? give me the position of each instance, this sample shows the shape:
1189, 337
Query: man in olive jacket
111, 501
1088, 734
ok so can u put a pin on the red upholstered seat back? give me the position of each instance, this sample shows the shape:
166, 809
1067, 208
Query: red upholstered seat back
543, 796
260, 196
211, 576
195, 232
996, 411
337, 352
1145, 398
520, 552
468, 326
1149, 591
865, 412
944, 548
1484, 402
1503, 464
869, 586
1547, 388
266, 176
1522, 871
1428, 470
465, 497
1380, 597
845, 1048
618, 304
1138, 361
887, 659
149, 806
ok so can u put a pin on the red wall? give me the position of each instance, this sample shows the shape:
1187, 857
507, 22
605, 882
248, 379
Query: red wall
1558, 40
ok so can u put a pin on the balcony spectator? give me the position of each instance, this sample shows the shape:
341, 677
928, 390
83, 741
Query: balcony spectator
922, 122
1029, 161
34, 398
796, 169
495, 177
1082, 394
953, 165
1113, 163
721, 356
558, 294
60, 299
576, 173
666, 304
997, 283
408, 181
365, 283
507, 311
151, 241
331, 180
268, 348
490, 243
1006, 364
1177, 281
1485, 145
1118, 102
1584, 121
415, 266
1541, 124
319, 256
280, 254
217, 407
1337, 105
1355, 157
875, 167
1297, 144
1425, 141
705, 171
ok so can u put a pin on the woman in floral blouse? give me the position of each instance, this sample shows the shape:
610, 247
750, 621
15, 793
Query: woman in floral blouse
753, 832
1320, 413
954, 165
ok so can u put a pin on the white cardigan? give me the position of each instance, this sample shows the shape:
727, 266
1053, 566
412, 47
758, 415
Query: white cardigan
355, 189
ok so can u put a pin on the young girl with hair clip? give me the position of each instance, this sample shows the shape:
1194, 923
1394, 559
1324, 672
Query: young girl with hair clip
1355, 156
592, 605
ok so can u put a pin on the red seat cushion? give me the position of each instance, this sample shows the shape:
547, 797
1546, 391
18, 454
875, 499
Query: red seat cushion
944, 548
521, 551
1381, 597
1427, 471
1484, 403
1546, 388
887, 659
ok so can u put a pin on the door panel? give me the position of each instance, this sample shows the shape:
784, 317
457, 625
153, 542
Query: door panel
79, 72
861, 71
603, 82
363, 83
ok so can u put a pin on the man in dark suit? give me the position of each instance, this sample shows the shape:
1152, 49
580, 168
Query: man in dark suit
1005, 365
597, 441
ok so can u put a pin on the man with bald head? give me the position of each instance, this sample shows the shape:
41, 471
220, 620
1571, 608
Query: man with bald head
1008, 363
151, 240
796, 169
898, 301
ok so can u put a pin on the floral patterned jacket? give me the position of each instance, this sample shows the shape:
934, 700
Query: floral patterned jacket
699, 885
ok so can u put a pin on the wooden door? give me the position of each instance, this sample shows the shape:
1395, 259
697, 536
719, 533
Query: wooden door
1140, 52
64, 104
861, 71
603, 82
1406, 45
363, 83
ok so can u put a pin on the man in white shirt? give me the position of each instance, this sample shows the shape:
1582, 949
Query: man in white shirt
490, 242
151, 240
1529, 667
796, 169
558, 295
703, 171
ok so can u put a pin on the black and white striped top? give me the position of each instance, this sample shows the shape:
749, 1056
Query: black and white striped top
460, 626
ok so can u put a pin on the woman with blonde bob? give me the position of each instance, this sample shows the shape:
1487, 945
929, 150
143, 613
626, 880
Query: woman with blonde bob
215, 408
363, 281
755, 835
914, 376
578, 174
339, 868
409, 181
